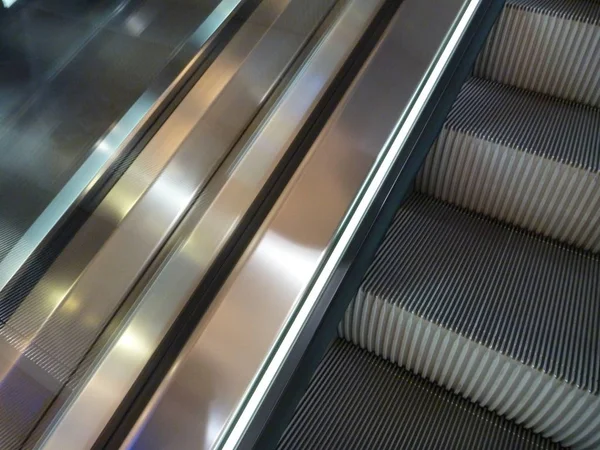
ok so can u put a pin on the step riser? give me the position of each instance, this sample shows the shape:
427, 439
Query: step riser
543, 53
545, 196
521, 393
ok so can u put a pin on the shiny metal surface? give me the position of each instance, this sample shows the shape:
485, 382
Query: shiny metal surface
54, 327
215, 387
146, 324
168, 426
115, 142
427, 60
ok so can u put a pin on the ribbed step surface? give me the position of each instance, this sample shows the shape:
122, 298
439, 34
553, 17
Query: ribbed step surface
507, 319
522, 157
358, 401
549, 46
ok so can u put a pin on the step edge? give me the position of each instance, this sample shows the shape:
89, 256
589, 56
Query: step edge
577, 229
457, 116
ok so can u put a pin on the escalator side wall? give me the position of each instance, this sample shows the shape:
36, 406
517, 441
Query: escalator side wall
296, 374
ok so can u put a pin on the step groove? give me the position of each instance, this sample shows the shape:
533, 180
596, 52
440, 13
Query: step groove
358, 401
521, 157
547, 46
474, 305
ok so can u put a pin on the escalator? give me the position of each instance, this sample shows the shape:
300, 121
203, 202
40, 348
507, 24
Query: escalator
477, 323
299, 224
122, 125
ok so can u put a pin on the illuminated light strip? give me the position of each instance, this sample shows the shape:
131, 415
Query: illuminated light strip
356, 218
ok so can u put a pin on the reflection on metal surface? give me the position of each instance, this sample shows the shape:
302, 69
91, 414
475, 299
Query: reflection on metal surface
208, 408
451, 25
55, 325
118, 139
213, 114
231, 360
186, 267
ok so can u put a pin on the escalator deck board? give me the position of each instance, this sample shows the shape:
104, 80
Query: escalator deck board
357, 400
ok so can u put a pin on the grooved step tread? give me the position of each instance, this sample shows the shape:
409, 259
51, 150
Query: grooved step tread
559, 130
529, 298
580, 10
359, 401
525, 158
548, 46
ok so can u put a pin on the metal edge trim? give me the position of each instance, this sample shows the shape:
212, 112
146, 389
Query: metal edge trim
349, 225
285, 121
114, 143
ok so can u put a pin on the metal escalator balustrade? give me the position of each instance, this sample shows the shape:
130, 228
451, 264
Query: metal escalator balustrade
126, 353
47, 335
223, 377
82, 83
213, 351
54, 156
487, 283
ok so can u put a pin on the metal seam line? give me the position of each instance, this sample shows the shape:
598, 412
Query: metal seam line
105, 152
379, 174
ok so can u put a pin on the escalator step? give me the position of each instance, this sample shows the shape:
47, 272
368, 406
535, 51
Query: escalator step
521, 157
549, 46
358, 401
507, 319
